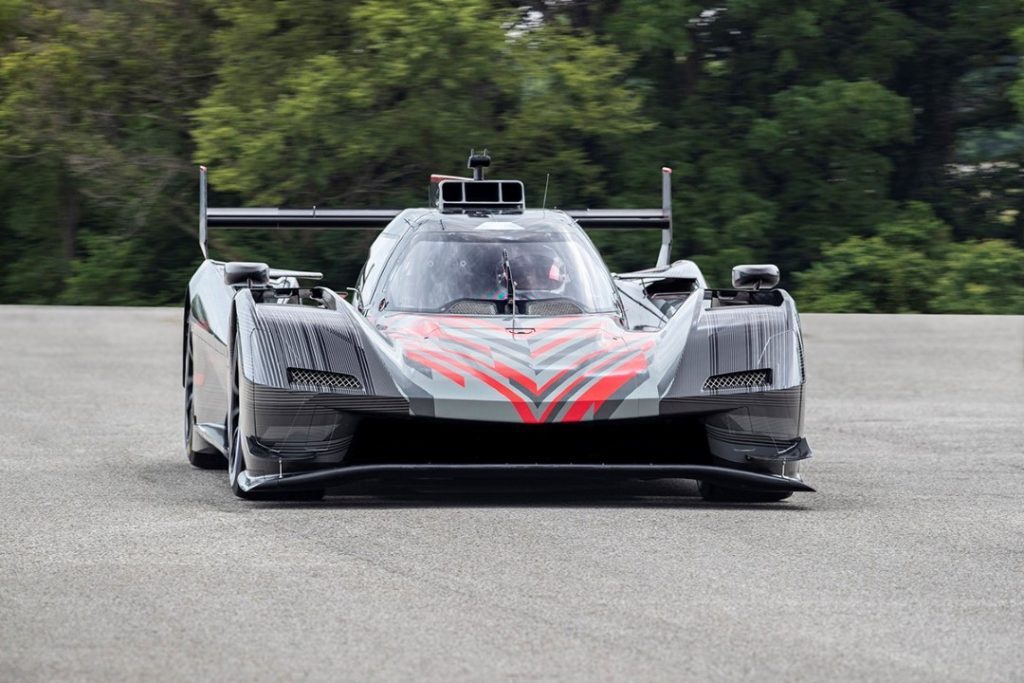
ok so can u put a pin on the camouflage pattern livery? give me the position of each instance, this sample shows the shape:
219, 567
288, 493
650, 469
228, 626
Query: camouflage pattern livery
300, 387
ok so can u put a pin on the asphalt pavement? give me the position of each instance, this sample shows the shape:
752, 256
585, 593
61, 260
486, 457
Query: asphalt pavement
118, 561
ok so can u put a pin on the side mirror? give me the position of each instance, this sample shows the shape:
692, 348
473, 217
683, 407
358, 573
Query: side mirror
242, 273
760, 276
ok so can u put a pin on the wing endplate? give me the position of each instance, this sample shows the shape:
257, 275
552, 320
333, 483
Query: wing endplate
635, 219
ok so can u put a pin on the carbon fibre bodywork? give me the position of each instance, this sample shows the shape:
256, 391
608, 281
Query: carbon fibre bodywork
678, 380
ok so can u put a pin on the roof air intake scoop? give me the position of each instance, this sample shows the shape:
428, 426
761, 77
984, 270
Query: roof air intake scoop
454, 194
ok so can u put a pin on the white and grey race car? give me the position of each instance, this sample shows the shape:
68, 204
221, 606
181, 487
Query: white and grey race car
483, 338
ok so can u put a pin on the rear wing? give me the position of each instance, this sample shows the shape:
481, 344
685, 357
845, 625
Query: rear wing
450, 194
284, 219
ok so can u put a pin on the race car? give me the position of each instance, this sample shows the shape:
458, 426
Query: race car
487, 339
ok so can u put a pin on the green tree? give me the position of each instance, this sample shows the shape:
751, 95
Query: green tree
893, 271
93, 119
985, 276
912, 265
354, 104
801, 134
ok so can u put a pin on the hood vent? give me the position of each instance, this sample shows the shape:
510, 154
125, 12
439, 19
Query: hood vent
552, 307
318, 380
739, 380
470, 307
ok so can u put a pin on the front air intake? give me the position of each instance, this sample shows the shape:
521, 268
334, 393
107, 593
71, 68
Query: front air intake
318, 380
739, 380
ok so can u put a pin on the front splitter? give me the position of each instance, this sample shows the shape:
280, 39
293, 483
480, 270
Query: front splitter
341, 475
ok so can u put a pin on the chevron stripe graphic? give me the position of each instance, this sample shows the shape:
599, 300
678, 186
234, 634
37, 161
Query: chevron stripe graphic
564, 370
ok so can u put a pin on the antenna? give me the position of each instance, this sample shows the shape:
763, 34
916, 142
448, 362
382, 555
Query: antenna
544, 204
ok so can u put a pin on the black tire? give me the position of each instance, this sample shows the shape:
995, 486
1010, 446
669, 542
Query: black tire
199, 459
716, 493
236, 460
236, 465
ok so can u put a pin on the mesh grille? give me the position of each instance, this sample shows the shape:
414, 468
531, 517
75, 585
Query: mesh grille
733, 380
473, 308
557, 307
318, 378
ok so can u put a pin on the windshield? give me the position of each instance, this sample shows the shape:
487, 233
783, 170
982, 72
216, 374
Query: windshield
554, 273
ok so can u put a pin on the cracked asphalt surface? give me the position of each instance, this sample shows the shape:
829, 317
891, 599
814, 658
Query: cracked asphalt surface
119, 561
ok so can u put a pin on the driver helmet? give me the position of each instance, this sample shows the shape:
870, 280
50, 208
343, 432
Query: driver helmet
540, 270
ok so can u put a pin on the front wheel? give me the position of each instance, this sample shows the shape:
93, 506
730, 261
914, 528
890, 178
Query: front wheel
236, 458
200, 459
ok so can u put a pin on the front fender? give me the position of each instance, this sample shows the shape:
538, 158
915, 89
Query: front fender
275, 338
735, 339
286, 419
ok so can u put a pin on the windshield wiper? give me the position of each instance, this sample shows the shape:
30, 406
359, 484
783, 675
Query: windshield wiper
510, 284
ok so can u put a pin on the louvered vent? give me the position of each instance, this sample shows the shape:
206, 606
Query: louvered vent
735, 380
468, 307
320, 379
555, 307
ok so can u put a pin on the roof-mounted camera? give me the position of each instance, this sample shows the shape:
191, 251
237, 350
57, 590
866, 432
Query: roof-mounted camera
478, 162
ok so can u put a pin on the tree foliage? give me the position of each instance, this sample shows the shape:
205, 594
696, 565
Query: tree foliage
872, 149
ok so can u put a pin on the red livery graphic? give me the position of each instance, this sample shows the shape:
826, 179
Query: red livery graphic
555, 370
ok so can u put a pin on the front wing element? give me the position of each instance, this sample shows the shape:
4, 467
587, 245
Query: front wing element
341, 475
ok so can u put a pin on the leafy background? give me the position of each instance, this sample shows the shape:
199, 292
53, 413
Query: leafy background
871, 149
